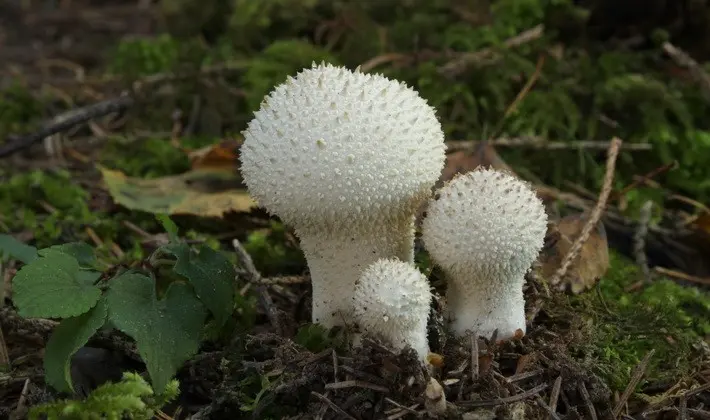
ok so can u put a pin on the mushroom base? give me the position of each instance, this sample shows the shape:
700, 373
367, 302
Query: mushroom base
492, 305
336, 260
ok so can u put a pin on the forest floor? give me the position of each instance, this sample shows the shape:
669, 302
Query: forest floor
107, 121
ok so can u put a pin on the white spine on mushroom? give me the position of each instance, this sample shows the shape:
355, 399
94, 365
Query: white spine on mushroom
345, 158
485, 230
391, 301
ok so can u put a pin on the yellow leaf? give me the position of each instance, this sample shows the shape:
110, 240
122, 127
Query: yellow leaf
206, 193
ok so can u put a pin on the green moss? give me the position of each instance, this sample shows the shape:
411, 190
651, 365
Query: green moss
145, 158
19, 109
276, 62
622, 326
56, 209
271, 253
136, 57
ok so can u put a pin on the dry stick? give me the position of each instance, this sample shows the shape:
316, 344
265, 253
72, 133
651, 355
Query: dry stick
356, 384
639, 371
78, 116
683, 409
550, 411
555, 394
462, 62
526, 89
332, 405
474, 357
521, 95
533, 142
682, 276
253, 276
507, 400
4, 354
640, 236
596, 212
587, 401
684, 60
644, 179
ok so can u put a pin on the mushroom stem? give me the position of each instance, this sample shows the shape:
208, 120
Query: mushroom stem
337, 259
501, 306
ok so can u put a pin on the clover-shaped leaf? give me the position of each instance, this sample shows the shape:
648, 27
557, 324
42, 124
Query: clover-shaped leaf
167, 331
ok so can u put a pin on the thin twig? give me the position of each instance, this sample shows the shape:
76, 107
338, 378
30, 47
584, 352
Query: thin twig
684, 60
464, 61
474, 357
77, 116
587, 401
356, 384
526, 89
332, 405
402, 407
639, 371
683, 409
595, 215
555, 393
644, 179
682, 276
4, 354
253, 276
507, 400
547, 408
533, 142
640, 236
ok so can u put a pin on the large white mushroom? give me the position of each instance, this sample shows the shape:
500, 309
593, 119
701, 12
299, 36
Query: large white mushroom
485, 229
345, 158
391, 301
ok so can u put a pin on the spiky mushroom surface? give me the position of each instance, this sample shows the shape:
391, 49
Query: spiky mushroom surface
392, 300
345, 158
485, 229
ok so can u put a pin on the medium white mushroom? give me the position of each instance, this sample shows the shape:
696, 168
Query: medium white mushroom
345, 158
391, 301
485, 229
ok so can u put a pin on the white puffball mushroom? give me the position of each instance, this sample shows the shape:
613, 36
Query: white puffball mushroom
391, 301
485, 229
345, 158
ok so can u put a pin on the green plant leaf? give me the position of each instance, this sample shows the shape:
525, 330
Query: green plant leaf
69, 336
167, 331
82, 252
10, 246
169, 226
212, 276
54, 286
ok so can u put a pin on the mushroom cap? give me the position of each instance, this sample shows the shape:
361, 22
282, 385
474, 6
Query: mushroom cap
392, 297
485, 223
336, 146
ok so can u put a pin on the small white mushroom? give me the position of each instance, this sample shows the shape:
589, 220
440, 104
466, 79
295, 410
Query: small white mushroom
345, 158
392, 300
485, 229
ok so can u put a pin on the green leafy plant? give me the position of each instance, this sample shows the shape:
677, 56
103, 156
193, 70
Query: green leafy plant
164, 308
132, 397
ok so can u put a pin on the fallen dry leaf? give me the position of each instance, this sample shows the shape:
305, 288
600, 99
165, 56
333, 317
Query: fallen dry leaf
592, 262
207, 193
221, 156
464, 161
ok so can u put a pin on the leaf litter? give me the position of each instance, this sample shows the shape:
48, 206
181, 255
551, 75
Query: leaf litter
534, 377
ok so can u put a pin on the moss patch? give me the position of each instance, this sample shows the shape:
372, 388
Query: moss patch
620, 326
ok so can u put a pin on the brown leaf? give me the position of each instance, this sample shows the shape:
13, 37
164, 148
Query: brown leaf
206, 193
220, 156
464, 161
592, 262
